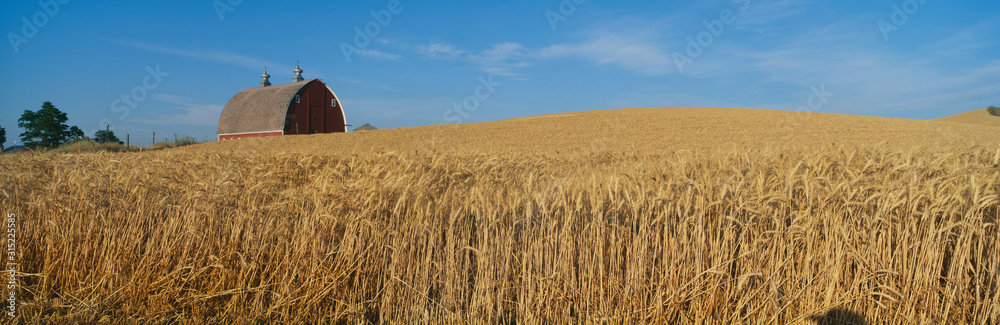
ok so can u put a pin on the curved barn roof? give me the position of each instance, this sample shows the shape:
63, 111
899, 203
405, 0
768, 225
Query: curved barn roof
259, 109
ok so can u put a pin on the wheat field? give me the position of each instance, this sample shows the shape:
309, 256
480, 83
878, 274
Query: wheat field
979, 116
622, 216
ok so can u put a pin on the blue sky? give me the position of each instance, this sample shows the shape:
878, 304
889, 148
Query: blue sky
179, 62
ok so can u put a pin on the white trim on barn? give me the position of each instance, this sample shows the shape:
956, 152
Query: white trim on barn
339, 105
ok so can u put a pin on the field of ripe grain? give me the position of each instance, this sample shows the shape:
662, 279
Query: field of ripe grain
392, 226
636, 130
979, 116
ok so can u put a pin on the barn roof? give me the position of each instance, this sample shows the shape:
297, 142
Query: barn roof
259, 108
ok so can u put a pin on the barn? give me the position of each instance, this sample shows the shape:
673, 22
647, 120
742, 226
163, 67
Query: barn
300, 107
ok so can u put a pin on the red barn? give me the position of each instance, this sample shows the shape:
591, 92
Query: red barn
300, 107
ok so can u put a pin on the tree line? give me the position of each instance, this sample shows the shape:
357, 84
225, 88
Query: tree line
47, 128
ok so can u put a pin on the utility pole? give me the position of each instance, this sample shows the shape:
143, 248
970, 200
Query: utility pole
126, 142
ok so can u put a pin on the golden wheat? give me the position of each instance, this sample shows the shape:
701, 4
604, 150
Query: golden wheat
597, 234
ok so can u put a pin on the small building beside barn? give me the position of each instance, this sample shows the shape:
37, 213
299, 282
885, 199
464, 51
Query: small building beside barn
300, 107
366, 127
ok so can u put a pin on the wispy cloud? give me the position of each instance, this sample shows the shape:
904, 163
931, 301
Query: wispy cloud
194, 114
506, 58
500, 58
439, 51
768, 14
967, 41
641, 56
379, 55
503, 58
870, 76
215, 55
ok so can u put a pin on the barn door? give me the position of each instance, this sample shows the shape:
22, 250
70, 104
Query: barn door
316, 119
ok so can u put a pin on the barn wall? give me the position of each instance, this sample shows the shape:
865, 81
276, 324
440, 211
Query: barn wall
314, 111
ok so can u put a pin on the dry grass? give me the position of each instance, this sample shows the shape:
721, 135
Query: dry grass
594, 233
89, 146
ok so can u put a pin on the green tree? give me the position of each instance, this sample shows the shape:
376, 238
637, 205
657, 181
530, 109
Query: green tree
106, 136
46, 128
75, 133
992, 110
3, 137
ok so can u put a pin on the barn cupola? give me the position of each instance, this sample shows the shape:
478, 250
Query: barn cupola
265, 76
298, 75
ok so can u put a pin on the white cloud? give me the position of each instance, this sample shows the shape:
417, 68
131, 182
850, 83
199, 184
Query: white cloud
212, 55
500, 59
640, 56
379, 55
868, 75
633, 54
501, 52
439, 51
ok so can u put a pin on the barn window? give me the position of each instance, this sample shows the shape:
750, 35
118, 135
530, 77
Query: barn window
296, 99
333, 102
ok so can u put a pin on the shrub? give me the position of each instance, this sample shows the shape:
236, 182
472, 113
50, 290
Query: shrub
111, 147
159, 145
76, 146
88, 145
106, 136
183, 141
178, 141
992, 110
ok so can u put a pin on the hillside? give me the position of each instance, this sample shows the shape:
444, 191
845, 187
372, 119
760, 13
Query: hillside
640, 130
979, 116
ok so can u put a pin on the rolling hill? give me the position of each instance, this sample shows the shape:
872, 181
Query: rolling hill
640, 130
979, 116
